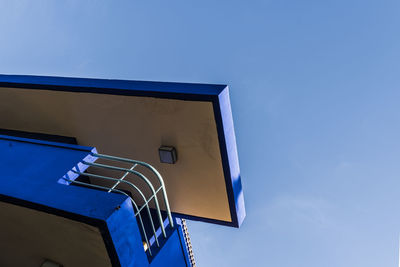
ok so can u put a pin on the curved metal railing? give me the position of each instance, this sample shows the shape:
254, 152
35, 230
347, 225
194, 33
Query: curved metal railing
122, 180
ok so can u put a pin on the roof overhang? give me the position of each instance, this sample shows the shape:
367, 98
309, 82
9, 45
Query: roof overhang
133, 119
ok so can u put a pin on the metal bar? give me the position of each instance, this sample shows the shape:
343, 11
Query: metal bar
122, 192
146, 201
143, 178
122, 178
149, 199
153, 170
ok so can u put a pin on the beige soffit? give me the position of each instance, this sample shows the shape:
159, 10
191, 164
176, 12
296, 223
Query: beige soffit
134, 127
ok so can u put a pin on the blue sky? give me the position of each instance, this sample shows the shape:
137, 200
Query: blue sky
315, 98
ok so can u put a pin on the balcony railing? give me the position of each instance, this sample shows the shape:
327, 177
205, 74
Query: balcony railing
114, 185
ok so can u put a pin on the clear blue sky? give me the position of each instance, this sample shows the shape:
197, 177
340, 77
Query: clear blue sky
315, 98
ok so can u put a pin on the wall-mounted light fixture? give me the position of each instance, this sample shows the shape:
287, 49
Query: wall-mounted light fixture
167, 154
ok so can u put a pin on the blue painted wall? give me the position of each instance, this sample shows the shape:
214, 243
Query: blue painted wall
30, 176
30, 171
173, 253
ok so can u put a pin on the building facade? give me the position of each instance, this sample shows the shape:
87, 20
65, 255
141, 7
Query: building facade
105, 172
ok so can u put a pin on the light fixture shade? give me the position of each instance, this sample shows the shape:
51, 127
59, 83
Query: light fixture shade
167, 154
